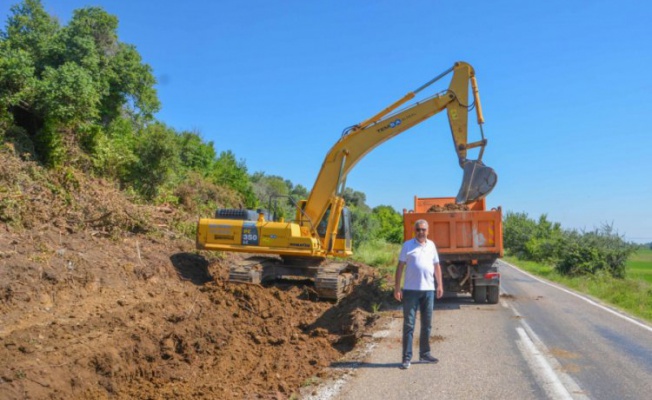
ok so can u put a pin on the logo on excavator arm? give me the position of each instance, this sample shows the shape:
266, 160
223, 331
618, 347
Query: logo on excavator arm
391, 125
395, 123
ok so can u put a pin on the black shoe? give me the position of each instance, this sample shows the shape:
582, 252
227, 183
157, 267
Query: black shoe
405, 365
428, 359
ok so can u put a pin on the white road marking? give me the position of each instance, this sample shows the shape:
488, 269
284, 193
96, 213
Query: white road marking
549, 381
616, 313
548, 371
566, 380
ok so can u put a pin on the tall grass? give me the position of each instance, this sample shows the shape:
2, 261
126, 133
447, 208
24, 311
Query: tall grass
378, 253
632, 294
381, 255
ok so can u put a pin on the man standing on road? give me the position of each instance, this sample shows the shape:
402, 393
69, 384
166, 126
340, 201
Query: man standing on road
420, 260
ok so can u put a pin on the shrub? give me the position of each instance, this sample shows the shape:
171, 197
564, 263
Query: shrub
390, 224
601, 250
363, 226
530, 240
157, 160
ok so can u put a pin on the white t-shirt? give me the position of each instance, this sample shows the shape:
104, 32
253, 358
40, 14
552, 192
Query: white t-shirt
420, 260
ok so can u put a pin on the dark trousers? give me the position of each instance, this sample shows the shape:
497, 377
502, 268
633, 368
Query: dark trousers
413, 300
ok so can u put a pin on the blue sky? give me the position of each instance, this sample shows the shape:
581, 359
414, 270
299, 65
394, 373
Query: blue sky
565, 89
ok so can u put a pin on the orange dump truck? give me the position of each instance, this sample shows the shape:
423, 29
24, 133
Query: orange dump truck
469, 240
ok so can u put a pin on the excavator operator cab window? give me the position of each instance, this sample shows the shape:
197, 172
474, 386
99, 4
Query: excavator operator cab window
343, 229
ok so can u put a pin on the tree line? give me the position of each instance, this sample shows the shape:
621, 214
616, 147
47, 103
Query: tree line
75, 96
572, 252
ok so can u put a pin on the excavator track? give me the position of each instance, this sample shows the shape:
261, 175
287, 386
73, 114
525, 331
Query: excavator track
250, 270
333, 280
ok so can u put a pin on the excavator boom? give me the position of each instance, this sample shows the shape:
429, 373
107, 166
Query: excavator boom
478, 180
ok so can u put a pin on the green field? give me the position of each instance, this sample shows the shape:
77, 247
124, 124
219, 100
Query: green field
639, 265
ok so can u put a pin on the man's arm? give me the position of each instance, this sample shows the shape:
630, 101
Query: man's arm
398, 295
440, 286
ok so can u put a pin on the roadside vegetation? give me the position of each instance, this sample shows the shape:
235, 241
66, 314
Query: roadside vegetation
378, 253
598, 262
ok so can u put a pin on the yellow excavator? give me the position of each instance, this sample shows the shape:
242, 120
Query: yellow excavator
321, 229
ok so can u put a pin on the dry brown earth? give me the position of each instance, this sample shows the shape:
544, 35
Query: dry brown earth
89, 310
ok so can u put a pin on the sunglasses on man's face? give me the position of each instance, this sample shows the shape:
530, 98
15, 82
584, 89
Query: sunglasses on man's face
421, 229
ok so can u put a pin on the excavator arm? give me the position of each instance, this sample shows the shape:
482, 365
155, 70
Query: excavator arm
478, 179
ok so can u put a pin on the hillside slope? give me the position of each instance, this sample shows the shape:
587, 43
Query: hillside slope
100, 298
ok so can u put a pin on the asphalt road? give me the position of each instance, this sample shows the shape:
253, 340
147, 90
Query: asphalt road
540, 342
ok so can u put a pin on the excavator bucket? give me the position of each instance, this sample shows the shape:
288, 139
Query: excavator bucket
477, 182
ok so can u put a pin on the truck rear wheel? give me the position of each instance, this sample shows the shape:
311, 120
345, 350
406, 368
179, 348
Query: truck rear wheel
480, 294
493, 294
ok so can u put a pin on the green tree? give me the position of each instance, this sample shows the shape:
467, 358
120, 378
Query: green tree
273, 193
126, 84
390, 223
131, 87
363, 226
284, 195
354, 198
17, 83
194, 153
67, 96
601, 250
61, 83
32, 30
114, 152
229, 172
157, 160
299, 192
518, 228
530, 239
25, 50
544, 245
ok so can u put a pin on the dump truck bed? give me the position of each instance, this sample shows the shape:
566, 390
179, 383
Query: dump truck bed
471, 234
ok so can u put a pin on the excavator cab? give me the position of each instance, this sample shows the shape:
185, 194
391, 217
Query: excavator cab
477, 182
343, 238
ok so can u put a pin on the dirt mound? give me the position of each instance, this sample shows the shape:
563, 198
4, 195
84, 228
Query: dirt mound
91, 318
448, 207
91, 310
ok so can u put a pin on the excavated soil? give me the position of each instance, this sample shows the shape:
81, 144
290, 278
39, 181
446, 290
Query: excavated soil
100, 313
448, 207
